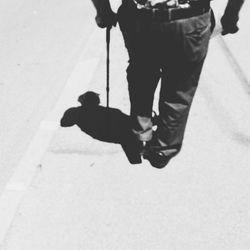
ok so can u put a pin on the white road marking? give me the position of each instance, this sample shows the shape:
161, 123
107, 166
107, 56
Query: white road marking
78, 82
234, 64
8, 205
49, 125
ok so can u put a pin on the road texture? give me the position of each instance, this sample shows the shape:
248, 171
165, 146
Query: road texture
40, 45
70, 191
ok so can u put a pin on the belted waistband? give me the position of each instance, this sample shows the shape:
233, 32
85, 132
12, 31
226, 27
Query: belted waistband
171, 14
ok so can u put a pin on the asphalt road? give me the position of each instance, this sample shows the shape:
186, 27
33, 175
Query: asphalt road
85, 193
40, 42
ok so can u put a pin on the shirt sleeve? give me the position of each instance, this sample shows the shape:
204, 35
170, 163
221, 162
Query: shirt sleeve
233, 8
102, 6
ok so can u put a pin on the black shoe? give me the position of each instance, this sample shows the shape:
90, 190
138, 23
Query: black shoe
156, 159
154, 153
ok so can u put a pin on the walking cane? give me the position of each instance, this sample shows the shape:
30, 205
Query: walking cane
107, 80
108, 62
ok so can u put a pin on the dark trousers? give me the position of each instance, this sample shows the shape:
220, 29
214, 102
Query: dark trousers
169, 53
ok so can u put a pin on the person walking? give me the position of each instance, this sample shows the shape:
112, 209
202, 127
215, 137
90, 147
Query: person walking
167, 42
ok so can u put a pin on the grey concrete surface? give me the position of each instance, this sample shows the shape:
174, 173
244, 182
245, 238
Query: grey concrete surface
40, 44
85, 194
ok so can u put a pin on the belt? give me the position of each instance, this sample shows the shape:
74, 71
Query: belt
172, 14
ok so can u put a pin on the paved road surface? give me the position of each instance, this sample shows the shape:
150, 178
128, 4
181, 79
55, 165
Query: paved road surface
72, 192
39, 45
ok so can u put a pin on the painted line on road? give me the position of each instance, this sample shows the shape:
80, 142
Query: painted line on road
234, 64
18, 184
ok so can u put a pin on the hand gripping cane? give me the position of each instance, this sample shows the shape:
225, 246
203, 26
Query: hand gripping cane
107, 62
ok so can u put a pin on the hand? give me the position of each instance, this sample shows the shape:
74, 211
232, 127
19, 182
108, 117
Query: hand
106, 20
229, 24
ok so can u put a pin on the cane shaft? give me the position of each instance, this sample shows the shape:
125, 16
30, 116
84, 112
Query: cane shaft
108, 63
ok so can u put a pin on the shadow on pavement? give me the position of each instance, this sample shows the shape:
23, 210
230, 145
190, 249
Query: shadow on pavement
101, 123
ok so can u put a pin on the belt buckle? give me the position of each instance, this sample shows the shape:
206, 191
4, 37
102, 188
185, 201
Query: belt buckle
153, 13
161, 15
170, 14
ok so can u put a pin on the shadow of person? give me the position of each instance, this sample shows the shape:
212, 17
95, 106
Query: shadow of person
104, 124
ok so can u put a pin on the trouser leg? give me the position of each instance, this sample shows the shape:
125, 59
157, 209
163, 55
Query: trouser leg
142, 80
176, 96
143, 72
180, 77
179, 51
